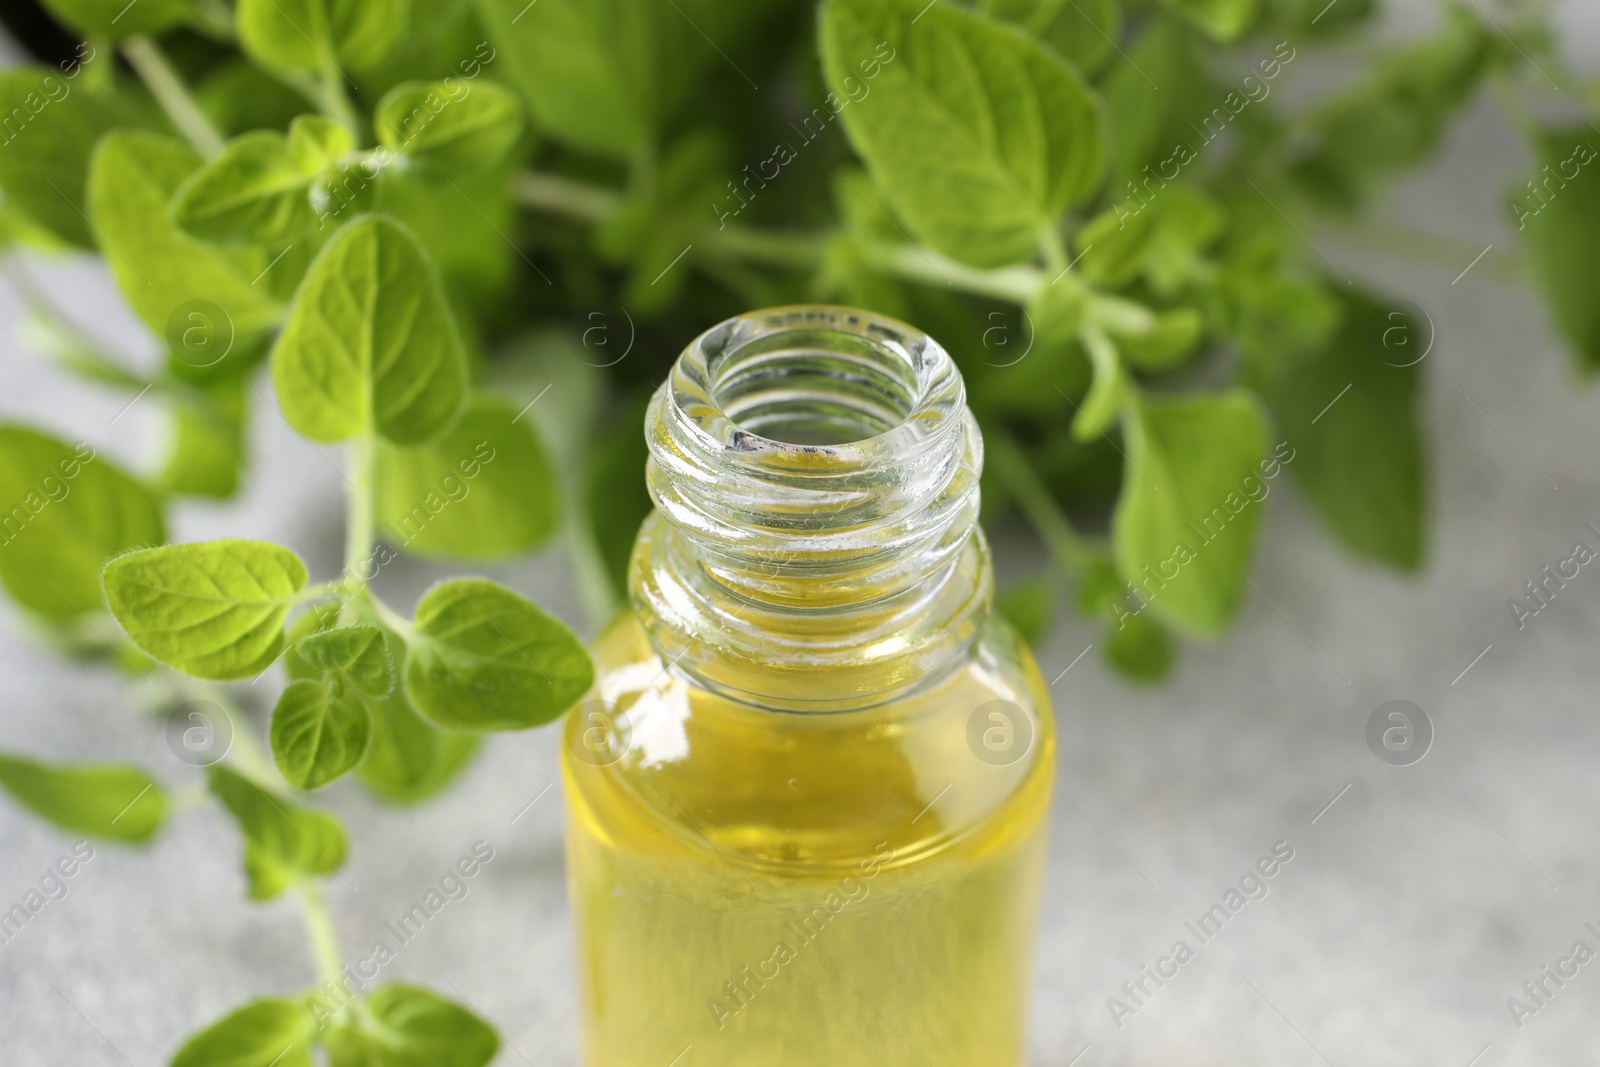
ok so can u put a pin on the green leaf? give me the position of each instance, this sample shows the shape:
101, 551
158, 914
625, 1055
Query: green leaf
1112, 246
604, 75
1028, 606
52, 124
355, 655
162, 271
1168, 341
214, 609
67, 510
370, 343
263, 1033
485, 658
111, 801
980, 135
1558, 212
406, 1026
1140, 648
407, 759
318, 35
1185, 525
319, 731
253, 192
483, 491
316, 143
449, 127
1083, 32
1362, 461
1224, 20
118, 19
283, 840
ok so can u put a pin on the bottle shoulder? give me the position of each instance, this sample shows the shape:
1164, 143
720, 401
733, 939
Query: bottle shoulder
651, 754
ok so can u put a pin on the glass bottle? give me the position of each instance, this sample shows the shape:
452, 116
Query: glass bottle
807, 797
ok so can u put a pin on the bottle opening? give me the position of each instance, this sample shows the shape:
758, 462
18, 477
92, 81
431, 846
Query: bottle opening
815, 473
814, 386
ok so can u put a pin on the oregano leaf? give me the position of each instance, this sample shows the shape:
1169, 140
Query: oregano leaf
371, 344
66, 510
482, 657
980, 135
253, 192
111, 801
283, 840
355, 655
1185, 525
270, 1032
319, 731
214, 609
317, 35
407, 1026
449, 128
161, 270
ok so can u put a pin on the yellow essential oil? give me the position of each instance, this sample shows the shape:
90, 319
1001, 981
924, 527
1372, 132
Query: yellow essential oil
807, 798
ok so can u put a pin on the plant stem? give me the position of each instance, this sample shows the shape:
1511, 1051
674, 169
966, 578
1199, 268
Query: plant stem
158, 75
565, 196
359, 526
335, 102
1011, 465
319, 931
551, 192
1015, 284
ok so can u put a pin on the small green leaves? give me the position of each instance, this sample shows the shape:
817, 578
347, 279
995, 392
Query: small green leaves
1185, 525
263, 1033
485, 658
370, 344
253, 192
1558, 212
980, 135
317, 35
64, 510
449, 127
111, 801
117, 19
321, 725
214, 609
284, 841
483, 491
409, 759
159, 268
353, 655
316, 143
319, 731
406, 1026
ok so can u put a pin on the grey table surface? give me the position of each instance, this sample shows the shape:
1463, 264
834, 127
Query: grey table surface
1414, 906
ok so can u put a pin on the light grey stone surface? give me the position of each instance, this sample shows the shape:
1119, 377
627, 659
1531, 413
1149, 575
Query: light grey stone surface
1413, 908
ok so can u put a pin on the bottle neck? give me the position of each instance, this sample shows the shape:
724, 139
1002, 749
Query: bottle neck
815, 545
